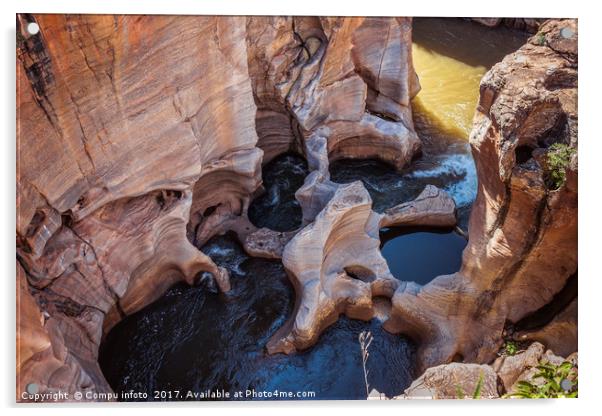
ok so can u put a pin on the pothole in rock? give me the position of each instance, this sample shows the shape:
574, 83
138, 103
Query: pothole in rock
277, 208
421, 254
193, 339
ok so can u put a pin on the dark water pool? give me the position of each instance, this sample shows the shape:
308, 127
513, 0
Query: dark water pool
277, 208
195, 339
419, 255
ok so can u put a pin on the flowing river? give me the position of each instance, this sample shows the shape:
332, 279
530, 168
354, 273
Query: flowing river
194, 338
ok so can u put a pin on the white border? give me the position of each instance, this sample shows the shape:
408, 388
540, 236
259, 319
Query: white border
590, 153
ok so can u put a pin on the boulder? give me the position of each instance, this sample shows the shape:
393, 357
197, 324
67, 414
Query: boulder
509, 368
454, 381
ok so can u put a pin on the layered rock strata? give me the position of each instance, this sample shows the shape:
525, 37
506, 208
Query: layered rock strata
523, 225
347, 79
113, 136
139, 136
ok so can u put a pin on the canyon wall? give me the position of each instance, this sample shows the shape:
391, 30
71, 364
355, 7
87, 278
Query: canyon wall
140, 137
118, 119
522, 248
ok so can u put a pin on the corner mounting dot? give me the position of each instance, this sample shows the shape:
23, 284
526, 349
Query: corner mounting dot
33, 28
567, 32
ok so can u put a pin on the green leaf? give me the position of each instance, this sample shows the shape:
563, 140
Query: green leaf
478, 388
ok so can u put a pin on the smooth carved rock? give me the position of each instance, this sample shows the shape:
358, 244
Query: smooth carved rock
335, 262
336, 267
32, 338
432, 208
223, 193
377, 46
523, 232
102, 267
107, 125
351, 79
454, 381
112, 120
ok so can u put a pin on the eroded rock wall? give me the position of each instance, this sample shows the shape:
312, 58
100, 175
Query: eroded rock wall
118, 118
347, 79
139, 136
523, 225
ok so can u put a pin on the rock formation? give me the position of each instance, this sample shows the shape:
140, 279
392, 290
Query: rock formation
530, 25
459, 380
454, 381
523, 225
140, 137
560, 334
113, 136
348, 79
335, 262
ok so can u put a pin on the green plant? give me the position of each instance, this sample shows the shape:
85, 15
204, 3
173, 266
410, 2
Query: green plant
461, 394
510, 348
558, 381
541, 39
558, 158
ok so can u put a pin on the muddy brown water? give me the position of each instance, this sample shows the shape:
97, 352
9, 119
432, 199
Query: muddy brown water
194, 338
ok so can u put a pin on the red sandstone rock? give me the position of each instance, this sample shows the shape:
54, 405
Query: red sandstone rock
335, 262
119, 117
138, 135
523, 232
136, 132
327, 76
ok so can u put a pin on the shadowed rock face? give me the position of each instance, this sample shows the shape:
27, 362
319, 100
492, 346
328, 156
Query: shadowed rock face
138, 135
523, 228
529, 25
